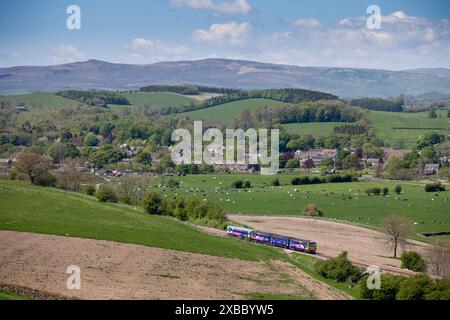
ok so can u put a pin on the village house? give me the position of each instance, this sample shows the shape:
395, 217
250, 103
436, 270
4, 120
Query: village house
372, 162
389, 152
130, 151
431, 168
21, 109
126, 161
112, 173
315, 155
241, 168
215, 151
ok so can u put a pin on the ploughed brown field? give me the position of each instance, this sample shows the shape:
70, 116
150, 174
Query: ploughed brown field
364, 246
111, 270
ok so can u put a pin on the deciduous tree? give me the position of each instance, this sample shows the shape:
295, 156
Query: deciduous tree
33, 165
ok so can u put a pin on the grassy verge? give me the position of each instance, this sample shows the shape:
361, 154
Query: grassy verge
9, 295
306, 263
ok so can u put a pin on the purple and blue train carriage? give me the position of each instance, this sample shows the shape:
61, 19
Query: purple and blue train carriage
271, 239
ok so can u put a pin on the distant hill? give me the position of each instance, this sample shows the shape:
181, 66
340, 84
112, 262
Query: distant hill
344, 82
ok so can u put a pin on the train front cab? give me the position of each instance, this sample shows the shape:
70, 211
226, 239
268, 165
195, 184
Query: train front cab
311, 247
303, 246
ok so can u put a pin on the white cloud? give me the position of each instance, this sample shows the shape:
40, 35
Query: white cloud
227, 33
402, 42
281, 35
430, 35
398, 18
227, 7
64, 53
310, 22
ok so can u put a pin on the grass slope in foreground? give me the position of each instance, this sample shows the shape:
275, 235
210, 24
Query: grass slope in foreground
51, 211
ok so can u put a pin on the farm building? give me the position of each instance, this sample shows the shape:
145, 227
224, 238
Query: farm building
373, 162
315, 155
22, 109
130, 151
389, 152
6, 162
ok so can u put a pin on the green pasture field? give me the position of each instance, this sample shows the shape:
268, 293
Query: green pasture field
393, 127
341, 201
227, 112
407, 127
157, 99
313, 128
42, 101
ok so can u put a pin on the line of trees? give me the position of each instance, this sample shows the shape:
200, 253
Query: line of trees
335, 178
284, 95
351, 129
378, 104
418, 287
192, 210
304, 113
95, 98
187, 89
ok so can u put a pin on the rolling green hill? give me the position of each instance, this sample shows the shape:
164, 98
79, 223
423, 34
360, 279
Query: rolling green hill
157, 99
225, 113
408, 127
45, 101
41, 101
396, 128
393, 127
51, 211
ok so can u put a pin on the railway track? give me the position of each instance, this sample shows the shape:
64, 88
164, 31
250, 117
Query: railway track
321, 255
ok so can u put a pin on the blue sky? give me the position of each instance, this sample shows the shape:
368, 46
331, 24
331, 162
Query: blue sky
414, 33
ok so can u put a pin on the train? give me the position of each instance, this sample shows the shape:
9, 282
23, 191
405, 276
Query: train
271, 239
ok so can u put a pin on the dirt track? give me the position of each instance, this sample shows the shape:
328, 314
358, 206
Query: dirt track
112, 270
364, 246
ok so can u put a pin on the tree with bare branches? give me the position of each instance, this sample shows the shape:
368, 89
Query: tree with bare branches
33, 165
132, 189
397, 229
71, 174
438, 258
